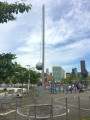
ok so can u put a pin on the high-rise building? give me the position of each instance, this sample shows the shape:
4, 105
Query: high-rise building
47, 71
88, 73
49, 77
78, 74
58, 73
68, 75
65, 75
74, 72
82, 67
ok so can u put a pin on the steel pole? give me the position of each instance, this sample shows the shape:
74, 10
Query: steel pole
29, 80
86, 83
43, 39
28, 77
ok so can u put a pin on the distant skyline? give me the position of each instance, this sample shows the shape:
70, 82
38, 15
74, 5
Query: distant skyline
67, 34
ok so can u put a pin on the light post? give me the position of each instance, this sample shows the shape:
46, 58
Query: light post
28, 77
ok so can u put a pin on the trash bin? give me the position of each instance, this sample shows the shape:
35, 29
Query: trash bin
18, 100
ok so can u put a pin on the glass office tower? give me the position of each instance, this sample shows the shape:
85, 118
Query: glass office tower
58, 73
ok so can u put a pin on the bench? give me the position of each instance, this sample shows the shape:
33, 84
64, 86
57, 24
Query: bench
11, 91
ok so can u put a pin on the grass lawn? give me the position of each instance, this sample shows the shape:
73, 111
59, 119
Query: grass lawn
3, 91
82, 119
85, 119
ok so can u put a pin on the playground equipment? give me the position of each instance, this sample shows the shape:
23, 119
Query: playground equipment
53, 88
65, 89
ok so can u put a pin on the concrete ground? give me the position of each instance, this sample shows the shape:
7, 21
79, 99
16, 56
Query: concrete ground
74, 108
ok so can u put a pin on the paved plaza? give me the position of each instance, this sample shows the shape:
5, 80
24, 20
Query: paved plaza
65, 106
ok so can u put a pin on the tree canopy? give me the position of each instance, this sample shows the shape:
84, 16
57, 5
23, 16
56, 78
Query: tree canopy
7, 10
6, 65
72, 79
13, 72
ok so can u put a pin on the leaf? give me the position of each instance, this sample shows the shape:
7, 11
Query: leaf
16, 11
7, 10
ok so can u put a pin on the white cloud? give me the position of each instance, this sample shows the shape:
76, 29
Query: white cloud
68, 53
67, 24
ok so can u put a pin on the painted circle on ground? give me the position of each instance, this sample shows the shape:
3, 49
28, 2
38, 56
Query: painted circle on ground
57, 111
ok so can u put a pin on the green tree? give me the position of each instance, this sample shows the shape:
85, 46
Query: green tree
7, 80
52, 79
70, 79
81, 80
12, 72
20, 75
6, 66
7, 11
34, 77
88, 80
65, 81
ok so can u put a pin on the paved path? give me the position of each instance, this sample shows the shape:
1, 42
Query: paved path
3, 94
60, 106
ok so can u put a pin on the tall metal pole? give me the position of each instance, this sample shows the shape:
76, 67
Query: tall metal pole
43, 39
28, 78
86, 83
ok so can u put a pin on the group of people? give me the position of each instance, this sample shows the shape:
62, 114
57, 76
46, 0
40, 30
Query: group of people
79, 87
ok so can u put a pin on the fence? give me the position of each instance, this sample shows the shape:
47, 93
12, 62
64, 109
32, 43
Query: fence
73, 108
65, 106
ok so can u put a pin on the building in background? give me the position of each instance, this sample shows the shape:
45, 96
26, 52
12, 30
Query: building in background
47, 71
74, 72
65, 75
49, 77
58, 73
82, 67
88, 73
68, 75
78, 74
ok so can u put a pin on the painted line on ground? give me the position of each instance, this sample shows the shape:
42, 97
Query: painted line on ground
70, 104
56, 110
7, 112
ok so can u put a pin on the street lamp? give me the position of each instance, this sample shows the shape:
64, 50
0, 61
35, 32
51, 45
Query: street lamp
28, 77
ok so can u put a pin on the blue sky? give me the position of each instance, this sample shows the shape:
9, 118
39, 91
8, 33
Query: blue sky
67, 34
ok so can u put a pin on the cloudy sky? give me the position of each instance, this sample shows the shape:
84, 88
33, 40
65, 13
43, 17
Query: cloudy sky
67, 34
